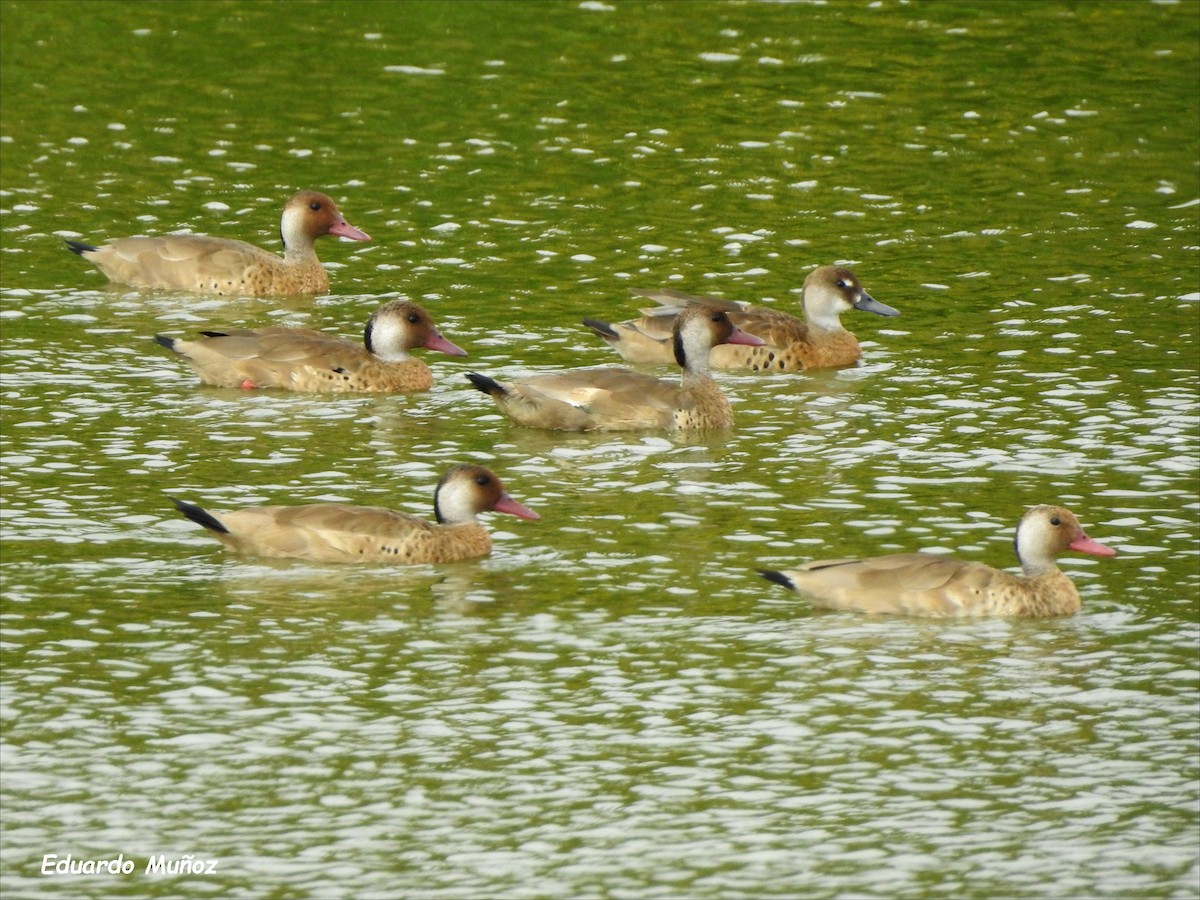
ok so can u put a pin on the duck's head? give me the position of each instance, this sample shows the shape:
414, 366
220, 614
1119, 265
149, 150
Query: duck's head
1046, 532
830, 291
467, 490
400, 326
309, 215
697, 329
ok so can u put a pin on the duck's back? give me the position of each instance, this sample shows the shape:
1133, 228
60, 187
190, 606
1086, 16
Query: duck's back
914, 584
791, 344
296, 359
334, 532
601, 399
205, 264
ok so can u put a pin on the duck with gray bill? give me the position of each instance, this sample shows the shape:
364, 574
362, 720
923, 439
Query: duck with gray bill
789, 344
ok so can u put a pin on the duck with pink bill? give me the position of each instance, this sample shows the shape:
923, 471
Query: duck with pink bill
299, 359
615, 399
925, 584
789, 344
338, 532
226, 267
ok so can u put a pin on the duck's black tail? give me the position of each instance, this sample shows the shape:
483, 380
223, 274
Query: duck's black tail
80, 248
603, 329
200, 516
777, 577
485, 384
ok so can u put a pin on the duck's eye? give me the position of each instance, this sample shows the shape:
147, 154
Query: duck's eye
718, 316
1055, 520
482, 480
841, 282
414, 318
315, 206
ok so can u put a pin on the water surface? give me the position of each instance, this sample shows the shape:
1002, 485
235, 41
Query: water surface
612, 704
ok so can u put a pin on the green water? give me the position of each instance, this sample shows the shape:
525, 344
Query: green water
612, 704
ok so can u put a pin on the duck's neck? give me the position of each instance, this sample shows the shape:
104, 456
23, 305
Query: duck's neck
383, 342
693, 357
393, 356
821, 319
1038, 568
297, 246
696, 374
1035, 561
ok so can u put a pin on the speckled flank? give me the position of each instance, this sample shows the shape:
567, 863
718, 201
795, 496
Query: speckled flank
336, 532
210, 265
406, 540
932, 586
265, 278
823, 350
314, 376
792, 344
611, 399
299, 359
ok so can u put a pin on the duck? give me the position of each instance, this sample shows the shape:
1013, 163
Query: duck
223, 267
299, 359
338, 532
789, 344
933, 586
616, 399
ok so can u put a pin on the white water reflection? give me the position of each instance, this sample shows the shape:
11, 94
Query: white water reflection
613, 703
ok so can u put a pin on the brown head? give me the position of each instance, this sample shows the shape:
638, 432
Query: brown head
400, 326
467, 490
830, 291
1046, 532
309, 215
698, 329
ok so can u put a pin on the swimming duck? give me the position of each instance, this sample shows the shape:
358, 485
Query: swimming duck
337, 532
611, 399
210, 265
925, 584
789, 344
297, 359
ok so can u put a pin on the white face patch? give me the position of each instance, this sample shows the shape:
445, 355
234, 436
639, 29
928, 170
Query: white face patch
696, 339
291, 226
454, 501
390, 338
458, 497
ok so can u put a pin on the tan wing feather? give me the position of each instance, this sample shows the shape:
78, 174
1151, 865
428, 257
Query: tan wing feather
901, 583
593, 387
338, 533
181, 261
593, 400
298, 359
677, 300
